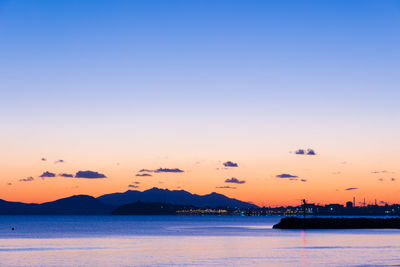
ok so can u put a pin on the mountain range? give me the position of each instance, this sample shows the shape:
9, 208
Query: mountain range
105, 204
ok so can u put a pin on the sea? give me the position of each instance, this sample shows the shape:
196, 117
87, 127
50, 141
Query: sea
186, 241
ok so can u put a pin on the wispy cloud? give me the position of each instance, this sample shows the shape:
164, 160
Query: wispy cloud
234, 181
230, 164
27, 179
43, 159
286, 175
225, 187
47, 174
66, 175
133, 186
168, 170
143, 174
146, 170
159, 170
351, 188
59, 161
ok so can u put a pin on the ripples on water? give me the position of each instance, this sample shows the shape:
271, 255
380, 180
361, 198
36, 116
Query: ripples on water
186, 241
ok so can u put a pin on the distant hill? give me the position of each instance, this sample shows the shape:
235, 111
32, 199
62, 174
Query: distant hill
177, 197
78, 205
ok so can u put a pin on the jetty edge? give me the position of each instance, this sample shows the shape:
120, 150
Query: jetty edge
338, 223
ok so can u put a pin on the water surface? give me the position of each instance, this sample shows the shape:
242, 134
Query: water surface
186, 241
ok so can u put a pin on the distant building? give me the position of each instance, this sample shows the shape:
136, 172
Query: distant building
349, 204
334, 207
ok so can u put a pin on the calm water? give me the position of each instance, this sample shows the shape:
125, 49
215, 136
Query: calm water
186, 241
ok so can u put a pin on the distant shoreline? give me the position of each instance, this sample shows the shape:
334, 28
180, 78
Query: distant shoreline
338, 223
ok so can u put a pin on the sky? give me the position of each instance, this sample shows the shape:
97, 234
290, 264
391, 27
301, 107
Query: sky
100, 90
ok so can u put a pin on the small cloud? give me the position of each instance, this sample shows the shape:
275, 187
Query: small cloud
145, 170
286, 175
380, 179
136, 182
351, 188
235, 181
43, 159
300, 152
226, 187
230, 164
168, 170
133, 186
309, 152
66, 175
28, 179
303, 180
89, 175
9, 183
59, 161
47, 174
392, 179
143, 174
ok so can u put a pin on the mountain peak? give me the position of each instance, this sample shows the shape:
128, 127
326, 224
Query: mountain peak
179, 197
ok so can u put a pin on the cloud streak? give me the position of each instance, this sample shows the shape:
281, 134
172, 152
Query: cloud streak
168, 170
143, 174
234, 181
225, 187
286, 175
230, 164
351, 188
47, 174
68, 175
160, 170
28, 179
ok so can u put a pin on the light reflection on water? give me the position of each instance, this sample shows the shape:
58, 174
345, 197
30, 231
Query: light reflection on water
186, 241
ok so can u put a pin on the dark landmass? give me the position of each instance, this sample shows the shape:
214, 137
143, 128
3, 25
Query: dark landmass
74, 205
177, 197
140, 208
338, 223
210, 204
335, 210
88, 205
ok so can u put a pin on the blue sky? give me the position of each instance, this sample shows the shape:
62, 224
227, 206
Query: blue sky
198, 78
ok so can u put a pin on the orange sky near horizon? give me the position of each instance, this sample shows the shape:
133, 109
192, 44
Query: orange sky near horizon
327, 179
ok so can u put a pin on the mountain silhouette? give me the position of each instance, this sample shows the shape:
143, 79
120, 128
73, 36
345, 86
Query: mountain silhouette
177, 197
88, 205
78, 205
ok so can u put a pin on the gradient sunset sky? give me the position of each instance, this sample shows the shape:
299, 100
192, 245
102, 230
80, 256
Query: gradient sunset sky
114, 87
